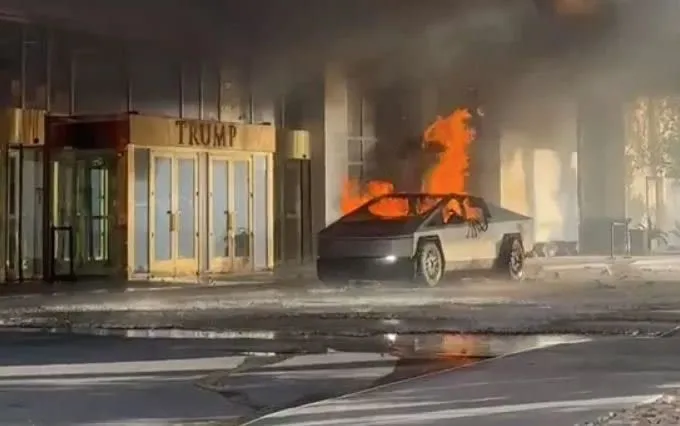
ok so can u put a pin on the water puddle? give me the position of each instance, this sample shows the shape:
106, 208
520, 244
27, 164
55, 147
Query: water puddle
353, 364
441, 345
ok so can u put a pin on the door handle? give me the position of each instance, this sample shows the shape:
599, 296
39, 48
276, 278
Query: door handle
173, 225
230, 221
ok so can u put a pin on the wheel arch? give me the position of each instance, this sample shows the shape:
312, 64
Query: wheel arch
428, 239
504, 246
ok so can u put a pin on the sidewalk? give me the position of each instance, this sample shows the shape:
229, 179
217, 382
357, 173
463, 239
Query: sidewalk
656, 263
301, 277
597, 294
567, 384
246, 281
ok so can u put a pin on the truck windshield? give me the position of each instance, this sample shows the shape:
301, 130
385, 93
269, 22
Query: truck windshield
397, 207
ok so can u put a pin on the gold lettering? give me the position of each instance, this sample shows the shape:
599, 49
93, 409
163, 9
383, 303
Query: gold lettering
205, 134
232, 135
180, 125
216, 135
220, 136
193, 134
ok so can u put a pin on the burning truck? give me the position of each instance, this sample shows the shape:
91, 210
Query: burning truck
390, 235
419, 237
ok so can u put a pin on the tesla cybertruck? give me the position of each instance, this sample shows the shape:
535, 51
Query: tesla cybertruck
419, 237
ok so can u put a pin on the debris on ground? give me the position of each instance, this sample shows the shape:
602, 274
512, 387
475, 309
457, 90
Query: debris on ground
662, 411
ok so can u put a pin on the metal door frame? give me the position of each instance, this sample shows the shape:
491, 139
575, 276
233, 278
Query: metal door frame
218, 264
75, 159
17, 274
185, 266
162, 267
175, 265
17, 151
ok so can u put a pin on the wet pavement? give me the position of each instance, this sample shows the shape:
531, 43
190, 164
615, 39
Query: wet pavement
623, 316
84, 380
264, 348
561, 385
71, 380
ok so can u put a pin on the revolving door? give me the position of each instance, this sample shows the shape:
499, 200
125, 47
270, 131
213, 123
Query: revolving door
83, 233
24, 218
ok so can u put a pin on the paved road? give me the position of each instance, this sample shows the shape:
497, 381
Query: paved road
87, 381
563, 385
50, 380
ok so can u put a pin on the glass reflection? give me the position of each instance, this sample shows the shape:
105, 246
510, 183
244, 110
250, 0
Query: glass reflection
241, 226
163, 211
141, 199
186, 244
260, 228
220, 208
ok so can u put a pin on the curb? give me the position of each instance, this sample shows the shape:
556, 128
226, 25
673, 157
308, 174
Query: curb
160, 286
148, 333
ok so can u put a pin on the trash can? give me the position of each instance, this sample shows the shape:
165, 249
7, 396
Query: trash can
639, 242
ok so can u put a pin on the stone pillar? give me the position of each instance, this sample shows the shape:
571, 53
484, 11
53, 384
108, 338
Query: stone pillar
538, 174
329, 148
602, 172
335, 139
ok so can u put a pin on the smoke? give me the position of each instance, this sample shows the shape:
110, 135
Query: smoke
591, 46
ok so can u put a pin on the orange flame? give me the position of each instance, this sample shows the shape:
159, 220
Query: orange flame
450, 172
449, 175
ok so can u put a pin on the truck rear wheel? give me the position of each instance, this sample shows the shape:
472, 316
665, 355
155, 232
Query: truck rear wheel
516, 258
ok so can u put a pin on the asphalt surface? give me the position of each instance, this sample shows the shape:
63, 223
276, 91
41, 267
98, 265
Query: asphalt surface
87, 381
562, 385
71, 380
57, 380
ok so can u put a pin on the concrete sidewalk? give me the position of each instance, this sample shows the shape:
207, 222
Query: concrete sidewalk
661, 263
270, 384
261, 385
303, 278
566, 302
562, 385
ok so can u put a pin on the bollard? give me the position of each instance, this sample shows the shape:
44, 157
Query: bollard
615, 224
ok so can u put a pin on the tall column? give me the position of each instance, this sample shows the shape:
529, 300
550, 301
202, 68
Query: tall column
335, 107
601, 169
538, 173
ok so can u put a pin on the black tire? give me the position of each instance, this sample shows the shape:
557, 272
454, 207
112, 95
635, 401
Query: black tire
515, 259
429, 264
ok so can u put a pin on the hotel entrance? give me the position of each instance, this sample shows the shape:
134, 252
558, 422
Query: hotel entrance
230, 218
22, 137
24, 236
200, 198
150, 197
174, 213
84, 194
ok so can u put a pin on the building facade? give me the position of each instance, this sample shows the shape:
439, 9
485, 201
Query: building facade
129, 160
558, 157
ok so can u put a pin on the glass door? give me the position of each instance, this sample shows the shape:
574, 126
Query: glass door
84, 201
24, 213
95, 205
14, 267
174, 216
186, 215
229, 214
241, 227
